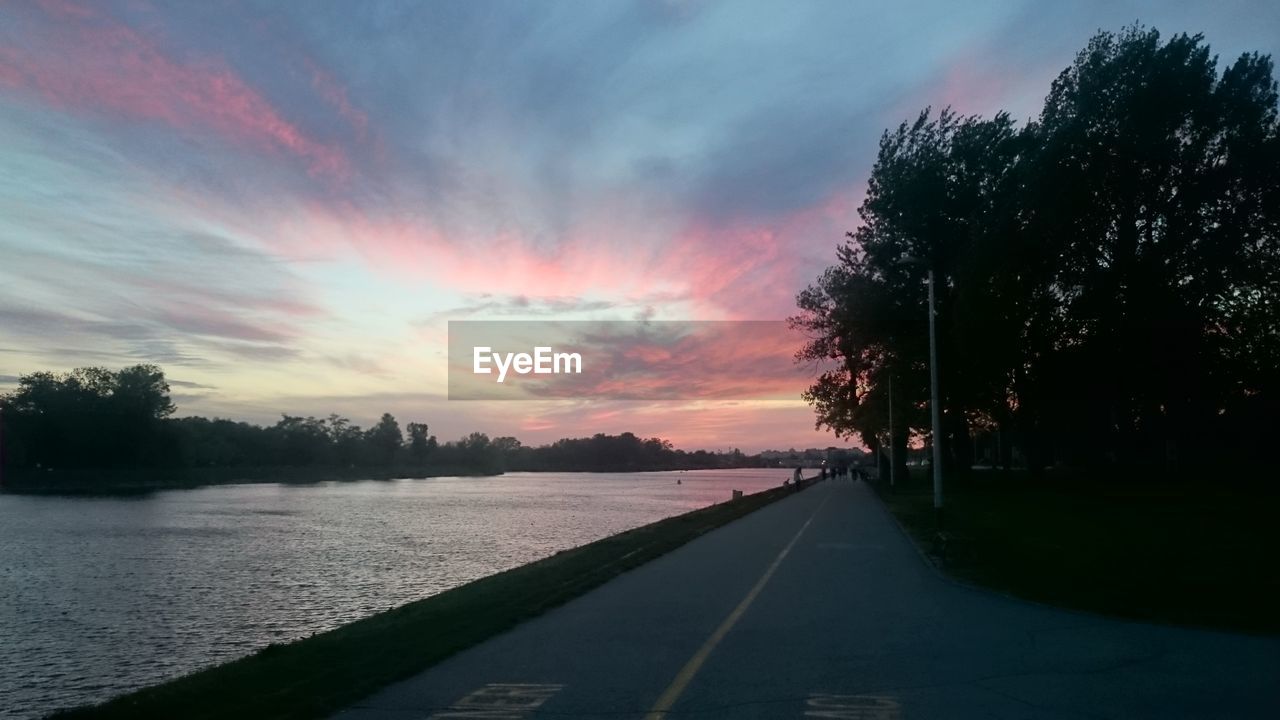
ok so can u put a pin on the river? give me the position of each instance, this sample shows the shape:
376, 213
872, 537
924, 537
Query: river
101, 595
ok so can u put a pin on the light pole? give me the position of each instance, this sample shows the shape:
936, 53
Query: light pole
893, 465
937, 410
934, 405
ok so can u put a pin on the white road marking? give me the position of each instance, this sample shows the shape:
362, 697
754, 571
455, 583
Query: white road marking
690, 669
501, 701
848, 546
852, 707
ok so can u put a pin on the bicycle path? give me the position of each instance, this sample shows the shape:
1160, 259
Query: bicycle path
818, 606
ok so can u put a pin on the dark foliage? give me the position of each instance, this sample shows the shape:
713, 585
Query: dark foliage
98, 418
1108, 276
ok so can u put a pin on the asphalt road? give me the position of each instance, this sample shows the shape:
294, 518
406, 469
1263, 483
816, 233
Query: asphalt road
819, 607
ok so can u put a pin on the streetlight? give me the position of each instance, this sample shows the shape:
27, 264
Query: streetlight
933, 392
893, 465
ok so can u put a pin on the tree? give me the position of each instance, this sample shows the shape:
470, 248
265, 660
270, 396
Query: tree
347, 441
421, 442
1155, 183
386, 438
90, 416
1107, 276
301, 441
928, 203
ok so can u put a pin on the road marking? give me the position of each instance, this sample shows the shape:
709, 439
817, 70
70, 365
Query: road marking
849, 546
669, 696
852, 707
501, 701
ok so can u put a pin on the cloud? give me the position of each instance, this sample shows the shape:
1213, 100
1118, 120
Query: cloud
40, 323
78, 59
358, 363
486, 304
291, 197
190, 385
663, 360
202, 321
144, 337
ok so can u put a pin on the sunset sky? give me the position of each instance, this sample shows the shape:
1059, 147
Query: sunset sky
283, 203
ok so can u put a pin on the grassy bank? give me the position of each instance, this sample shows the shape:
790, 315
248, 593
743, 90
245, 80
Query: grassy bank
1196, 553
314, 677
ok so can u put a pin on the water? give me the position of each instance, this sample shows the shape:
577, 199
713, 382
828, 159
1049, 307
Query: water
101, 595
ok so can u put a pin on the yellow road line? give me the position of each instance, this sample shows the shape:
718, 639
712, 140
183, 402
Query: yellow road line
677, 687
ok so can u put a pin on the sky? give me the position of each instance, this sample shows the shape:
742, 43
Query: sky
283, 204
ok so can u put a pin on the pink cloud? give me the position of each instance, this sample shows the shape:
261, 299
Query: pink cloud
336, 95
220, 322
743, 271
976, 80
739, 360
670, 361
754, 270
84, 60
411, 249
717, 426
9, 74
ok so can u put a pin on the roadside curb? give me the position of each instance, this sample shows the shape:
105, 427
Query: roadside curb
906, 534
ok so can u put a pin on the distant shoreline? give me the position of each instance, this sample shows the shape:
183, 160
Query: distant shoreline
90, 481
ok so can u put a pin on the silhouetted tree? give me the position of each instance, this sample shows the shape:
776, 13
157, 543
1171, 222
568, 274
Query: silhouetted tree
386, 438
1107, 277
89, 417
421, 442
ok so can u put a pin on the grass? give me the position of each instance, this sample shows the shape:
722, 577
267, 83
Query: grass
317, 676
1197, 554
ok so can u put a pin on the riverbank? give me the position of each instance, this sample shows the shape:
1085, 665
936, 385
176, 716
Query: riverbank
315, 676
1195, 554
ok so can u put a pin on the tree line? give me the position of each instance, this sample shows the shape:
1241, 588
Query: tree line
1107, 275
99, 418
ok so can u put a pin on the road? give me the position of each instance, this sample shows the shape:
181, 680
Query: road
819, 607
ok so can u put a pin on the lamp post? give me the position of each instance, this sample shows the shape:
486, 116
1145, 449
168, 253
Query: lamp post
934, 405
893, 465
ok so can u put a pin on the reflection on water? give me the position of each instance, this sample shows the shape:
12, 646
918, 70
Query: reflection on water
102, 595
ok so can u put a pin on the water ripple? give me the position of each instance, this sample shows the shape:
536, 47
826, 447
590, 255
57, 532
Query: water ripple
99, 596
